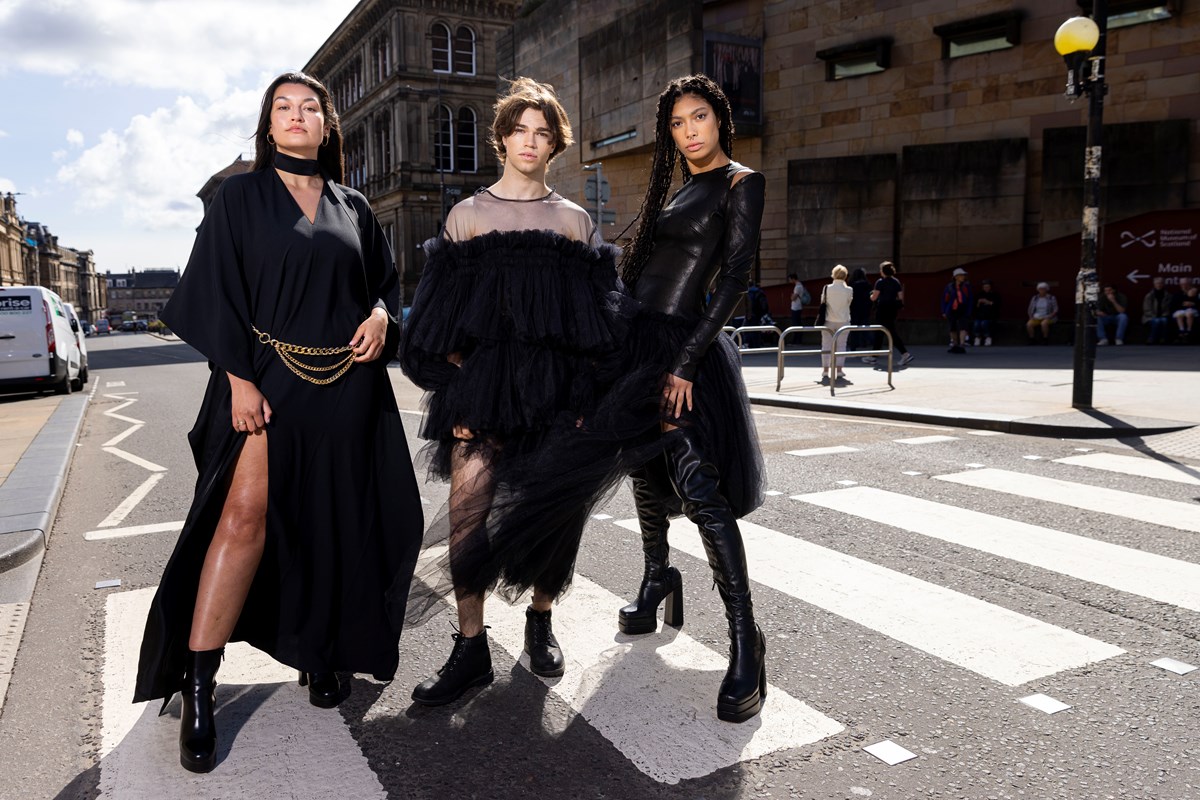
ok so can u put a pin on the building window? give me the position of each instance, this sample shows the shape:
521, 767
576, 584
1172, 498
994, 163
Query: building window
465, 152
1123, 13
443, 140
383, 143
356, 159
980, 35
382, 52
855, 59
441, 47
464, 51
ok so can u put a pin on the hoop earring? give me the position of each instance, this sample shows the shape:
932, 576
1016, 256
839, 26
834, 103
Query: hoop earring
270, 141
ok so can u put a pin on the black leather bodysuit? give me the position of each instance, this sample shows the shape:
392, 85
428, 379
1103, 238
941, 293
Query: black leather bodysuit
708, 230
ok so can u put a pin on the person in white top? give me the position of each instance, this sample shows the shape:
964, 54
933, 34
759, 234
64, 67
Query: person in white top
836, 297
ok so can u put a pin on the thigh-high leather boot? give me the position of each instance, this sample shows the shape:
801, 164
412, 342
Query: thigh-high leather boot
197, 729
698, 484
660, 581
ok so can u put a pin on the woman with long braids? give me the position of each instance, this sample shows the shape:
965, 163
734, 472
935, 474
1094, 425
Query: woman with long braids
678, 417
306, 522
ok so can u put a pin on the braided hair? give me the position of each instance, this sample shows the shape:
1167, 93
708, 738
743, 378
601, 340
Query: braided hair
666, 154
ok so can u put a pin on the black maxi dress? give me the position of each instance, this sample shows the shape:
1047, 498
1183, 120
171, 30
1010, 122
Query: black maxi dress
344, 516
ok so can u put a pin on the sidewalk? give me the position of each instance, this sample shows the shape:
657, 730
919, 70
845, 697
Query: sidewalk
1138, 391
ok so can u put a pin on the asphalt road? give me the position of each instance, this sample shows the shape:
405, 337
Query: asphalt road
915, 591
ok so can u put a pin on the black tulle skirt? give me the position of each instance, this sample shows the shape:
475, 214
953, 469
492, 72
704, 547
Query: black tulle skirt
521, 528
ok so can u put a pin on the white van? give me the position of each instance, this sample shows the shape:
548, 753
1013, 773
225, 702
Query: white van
38, 348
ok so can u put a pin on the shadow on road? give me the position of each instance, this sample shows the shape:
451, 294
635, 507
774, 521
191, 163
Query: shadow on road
144, 356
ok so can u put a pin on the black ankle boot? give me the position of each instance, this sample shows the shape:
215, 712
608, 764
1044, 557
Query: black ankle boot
745, 684
197, 730
545, 656
660, 581
324, 688
470, 664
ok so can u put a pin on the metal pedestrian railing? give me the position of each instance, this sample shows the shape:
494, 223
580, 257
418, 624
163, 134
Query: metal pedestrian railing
782, 352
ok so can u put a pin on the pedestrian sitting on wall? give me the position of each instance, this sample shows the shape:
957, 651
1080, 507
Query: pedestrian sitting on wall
1189, 307
1110, 313
1043, 312
956, 309
987, 311
1156, 311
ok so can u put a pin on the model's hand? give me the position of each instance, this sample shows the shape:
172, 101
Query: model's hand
250, 410
367, 342
454, 358
463, 432
677, 392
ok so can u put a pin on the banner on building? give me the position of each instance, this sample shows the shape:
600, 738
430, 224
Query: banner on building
735, 63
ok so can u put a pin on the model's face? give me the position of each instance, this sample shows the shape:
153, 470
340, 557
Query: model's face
529, 147
297, 121
694, 128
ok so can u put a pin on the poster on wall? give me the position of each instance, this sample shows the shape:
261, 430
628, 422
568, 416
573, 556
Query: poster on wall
735, 63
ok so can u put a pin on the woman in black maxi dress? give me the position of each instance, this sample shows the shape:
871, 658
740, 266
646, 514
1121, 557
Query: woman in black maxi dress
343, 518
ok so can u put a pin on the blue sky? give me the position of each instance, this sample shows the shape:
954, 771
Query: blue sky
115, 112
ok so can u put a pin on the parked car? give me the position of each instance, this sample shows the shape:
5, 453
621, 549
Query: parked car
88, 328
39, 348
80, 342
128, 326
102, 326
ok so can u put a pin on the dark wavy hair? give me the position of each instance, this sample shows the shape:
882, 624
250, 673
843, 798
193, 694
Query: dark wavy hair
329, 153
663, 166
526, 93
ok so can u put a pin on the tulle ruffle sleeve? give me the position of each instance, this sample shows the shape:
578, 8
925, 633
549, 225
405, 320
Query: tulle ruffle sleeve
210, 308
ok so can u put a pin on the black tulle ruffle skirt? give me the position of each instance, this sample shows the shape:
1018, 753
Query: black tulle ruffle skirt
521, 527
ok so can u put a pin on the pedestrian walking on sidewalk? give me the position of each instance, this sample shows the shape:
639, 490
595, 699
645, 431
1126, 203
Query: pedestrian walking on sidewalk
506, 324
835, 297
888, 296
306, 522
800, 298
956, 309
860, 309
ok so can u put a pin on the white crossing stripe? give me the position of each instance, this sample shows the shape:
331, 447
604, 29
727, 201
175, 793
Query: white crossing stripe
133, 530
284, 747
976, 635
116, 440
127, 505
986, 433
926, 440
1145, 574
1168, 513
131, 458
1137, 465
823, 451
654, 697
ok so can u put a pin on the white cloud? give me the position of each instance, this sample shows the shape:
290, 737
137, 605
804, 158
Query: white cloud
3, 133
7, 186
75, 138
152, 170
198, 48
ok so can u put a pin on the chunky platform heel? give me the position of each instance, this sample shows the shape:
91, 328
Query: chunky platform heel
641, 616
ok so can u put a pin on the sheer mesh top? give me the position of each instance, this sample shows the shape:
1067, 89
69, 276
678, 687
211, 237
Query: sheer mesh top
485, 212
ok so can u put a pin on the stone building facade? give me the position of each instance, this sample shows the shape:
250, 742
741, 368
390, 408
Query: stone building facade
209, 190
141, 294
933, 133
69, 273
414, 82
18, 258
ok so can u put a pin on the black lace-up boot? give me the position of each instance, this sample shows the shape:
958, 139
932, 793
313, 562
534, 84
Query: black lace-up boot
545, 656
197, 729
470, 664
745, 684
324, 688
660, 581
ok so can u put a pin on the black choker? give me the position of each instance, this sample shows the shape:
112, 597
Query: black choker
296, 166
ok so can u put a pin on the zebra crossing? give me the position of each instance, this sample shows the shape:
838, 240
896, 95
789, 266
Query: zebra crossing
650, 697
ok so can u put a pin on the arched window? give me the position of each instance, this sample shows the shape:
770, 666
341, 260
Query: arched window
441, 47
443, 139
464, 50
465, 152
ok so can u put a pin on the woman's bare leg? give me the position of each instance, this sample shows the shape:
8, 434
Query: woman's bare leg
235, 551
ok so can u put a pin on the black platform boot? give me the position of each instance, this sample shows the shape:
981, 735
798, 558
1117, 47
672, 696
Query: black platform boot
545, 656
324, 688
470, 664
197, 730
660, 581
745, 684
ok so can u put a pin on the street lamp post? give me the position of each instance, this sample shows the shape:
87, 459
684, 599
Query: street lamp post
1081, 43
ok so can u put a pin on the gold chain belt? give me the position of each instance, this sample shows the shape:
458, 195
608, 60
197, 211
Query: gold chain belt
288, 352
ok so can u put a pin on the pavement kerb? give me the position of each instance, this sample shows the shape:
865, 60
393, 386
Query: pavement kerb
29, 496
988, 422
